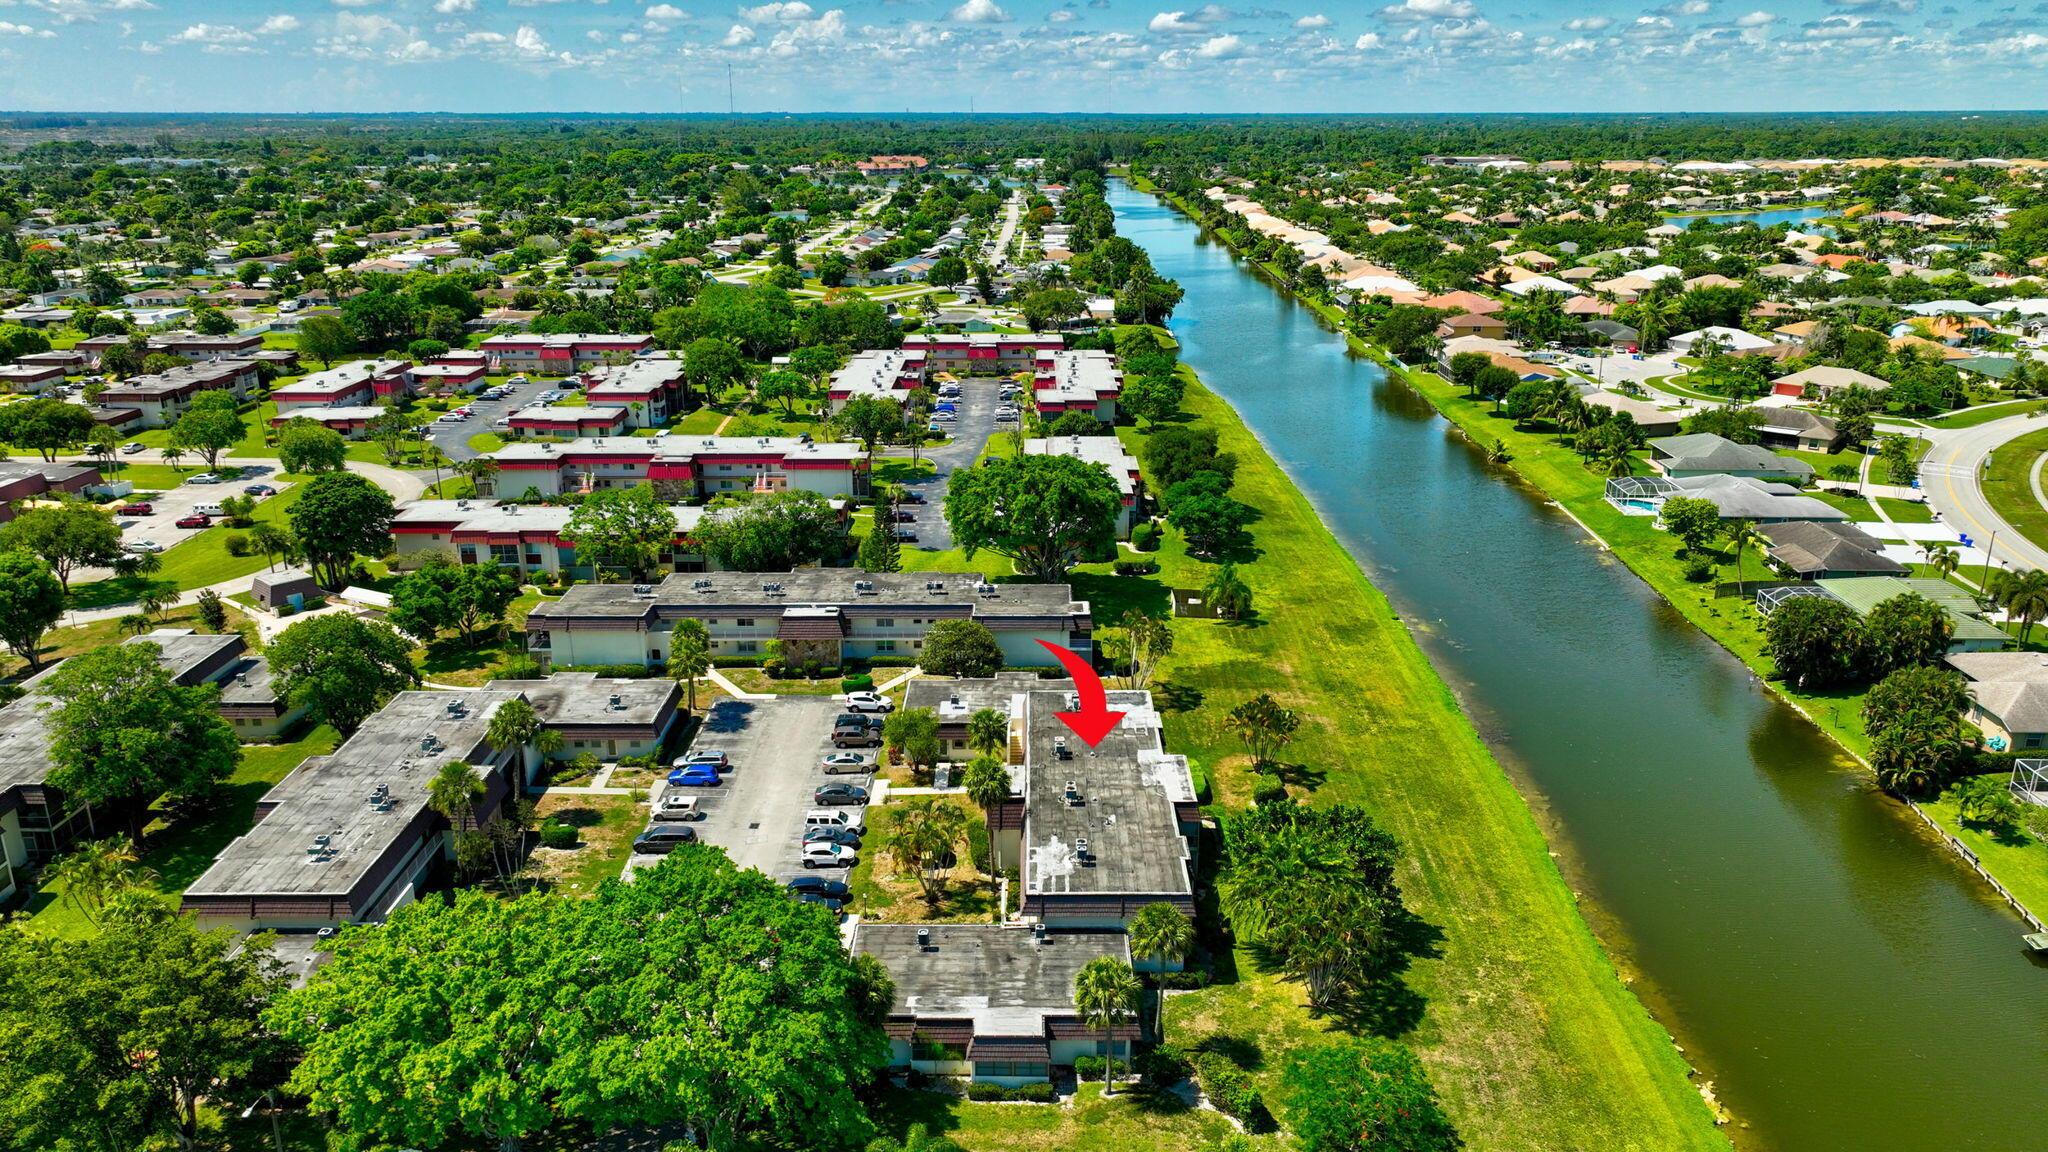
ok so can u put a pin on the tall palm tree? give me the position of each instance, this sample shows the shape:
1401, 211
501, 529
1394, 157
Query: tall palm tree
923, 839
1162, 932
2025, 595
987, 783
988, 731
1941, 557
1742, 536
689, 656
172, 454
1106, 995
98, 871
454, 791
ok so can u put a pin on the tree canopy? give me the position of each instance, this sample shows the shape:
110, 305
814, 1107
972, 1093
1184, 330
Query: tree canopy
1044, 512
337, 516
342, 668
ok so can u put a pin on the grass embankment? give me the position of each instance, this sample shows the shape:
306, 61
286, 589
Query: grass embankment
2009, 489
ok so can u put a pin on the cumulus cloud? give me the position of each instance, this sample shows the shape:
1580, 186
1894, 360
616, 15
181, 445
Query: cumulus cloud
1847, 28
1317, 20
1903, 7
979, 12
1175, 22
737, 35
783, 11
278, 25
1424, 11
667, 12
1756, 19
527, 41
9, 28
1062, 16
1220, 47
1588, 24
1686, 8
1368, 43
451, 7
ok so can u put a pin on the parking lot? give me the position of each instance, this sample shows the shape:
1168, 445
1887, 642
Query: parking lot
756, 812
976, 422
174, 504
453, 437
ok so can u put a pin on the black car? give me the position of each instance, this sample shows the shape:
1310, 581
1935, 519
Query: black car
906, 535
902, 517
819, 886
913, 497
825, 902
831, 795
845, 837
664, 840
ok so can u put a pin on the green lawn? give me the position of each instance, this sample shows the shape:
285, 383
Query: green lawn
2020, 862
2009, 489
486, 442
201, 560
1127, 1122
1854, 506
1906, 511
1532, 1038
1972, 417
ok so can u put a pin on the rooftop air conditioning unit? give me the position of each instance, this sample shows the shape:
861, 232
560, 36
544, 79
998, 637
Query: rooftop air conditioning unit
457, 710
1073, 793
643, 589
617, 702
924, 939
1038, 932
701, 585
1081, 851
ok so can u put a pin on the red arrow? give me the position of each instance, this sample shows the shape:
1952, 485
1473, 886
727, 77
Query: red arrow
1094, 721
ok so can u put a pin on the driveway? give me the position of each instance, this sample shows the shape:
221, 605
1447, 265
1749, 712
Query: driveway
756, 813
970, 435
170, 506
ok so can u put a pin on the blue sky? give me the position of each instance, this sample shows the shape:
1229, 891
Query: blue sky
1020, 55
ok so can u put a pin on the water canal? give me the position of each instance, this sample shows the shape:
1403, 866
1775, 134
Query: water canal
1841, 978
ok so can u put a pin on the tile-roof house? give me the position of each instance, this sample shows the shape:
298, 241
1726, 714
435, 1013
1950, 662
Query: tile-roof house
1706, 454
1797, 428
1810, 550
2008, 697
1823, 379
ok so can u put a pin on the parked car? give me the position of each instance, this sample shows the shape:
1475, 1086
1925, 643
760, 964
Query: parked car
202, 478
833, 795
902, 517
828, 905
862, 737
869, 702
913, 497
906, 535
153, 546
258, 490
142, 509
131, 448
828, 856
839, 763
677, 807
711, 756
849, 837
195, 520
695, 776
664, 840
819, 886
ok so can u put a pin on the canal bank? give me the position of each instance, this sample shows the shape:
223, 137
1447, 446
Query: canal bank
1845, 985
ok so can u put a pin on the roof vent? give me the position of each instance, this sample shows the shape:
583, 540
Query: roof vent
924, 939
935, 585
1073, 794
1081, 851
430, 743
1038, 932
772, 589
985, 588
618, 702
1059, 748
643, 589
457, 709
864, 587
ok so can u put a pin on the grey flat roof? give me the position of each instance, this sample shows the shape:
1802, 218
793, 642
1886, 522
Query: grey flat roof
678, 595
24, 743
956, 700
1003, 978
185, 653
249, 682
580, 699
1107, 451
330, 796
1128, 786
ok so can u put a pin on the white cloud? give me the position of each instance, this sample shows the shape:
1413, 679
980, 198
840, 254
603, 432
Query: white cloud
278, 25
1420, 11
129, 5
1175, 22
214, 36
979, 12
451, 7
8, 28
1318, 20
737, 35
353, 3
1062, 16
1220, 47
667, 12
1370, 42
473, 39
1588, 24
528, 42
826, 28
1756, 19
1903, 7
783, 11
1686, 8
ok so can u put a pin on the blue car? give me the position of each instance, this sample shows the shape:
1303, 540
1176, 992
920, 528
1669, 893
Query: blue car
694, 776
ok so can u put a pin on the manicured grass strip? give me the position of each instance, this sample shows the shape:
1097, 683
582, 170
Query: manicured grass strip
1906, 511
2019, 861
2009, 489
1127, 1122
1533, 1040
201, 560
1971, 417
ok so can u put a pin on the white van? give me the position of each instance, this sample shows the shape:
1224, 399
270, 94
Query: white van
209, 509
829, 818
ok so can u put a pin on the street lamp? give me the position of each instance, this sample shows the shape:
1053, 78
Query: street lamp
276, 1130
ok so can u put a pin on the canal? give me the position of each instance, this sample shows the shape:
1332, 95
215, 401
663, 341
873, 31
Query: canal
1844, 982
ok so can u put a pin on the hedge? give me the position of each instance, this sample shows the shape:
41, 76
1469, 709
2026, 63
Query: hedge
1229, 1087
1029, 1093
619, 671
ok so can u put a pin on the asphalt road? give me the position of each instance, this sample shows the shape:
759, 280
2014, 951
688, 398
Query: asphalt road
1950, 476
970, 435
756, 812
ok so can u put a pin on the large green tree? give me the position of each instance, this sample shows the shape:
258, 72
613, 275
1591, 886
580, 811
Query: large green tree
305, 445
325, 339
44, 426
109, 1040
1364, 1094
772, 533
443, 594
340, 667
1044, 512
123, 732
211, 425
960, 648
339, 515
31, 603
1814, 642
622, 528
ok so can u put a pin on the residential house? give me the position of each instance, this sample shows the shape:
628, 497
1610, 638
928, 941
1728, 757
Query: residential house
650, 392
1824, 380
982, 353
1730, 340
1812, 550
525, 537
1972, 632
1706, 454
569, 421
1799, 428
355, 384
884, 373
19, 377
31, 479
2008, 697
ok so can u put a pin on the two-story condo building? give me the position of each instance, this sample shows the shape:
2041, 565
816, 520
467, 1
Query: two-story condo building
889, 374
527, 537
568, 421
1107, 451
29, 377
650, 391
356, 384
160, 398
1086, 380
701, 466
562, 354
352, 421
982, 353
821, 615
28, 479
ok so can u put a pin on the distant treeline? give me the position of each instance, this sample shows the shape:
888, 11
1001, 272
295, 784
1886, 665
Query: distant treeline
1329, 139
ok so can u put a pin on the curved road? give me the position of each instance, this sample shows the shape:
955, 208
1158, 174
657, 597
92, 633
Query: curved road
1950, 477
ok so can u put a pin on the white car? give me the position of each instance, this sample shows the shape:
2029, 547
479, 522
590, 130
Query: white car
203, 478
869, 702
141, 546
840, 762
131, 448
676, 806
823, 855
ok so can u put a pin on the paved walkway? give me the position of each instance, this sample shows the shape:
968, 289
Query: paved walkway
734, 690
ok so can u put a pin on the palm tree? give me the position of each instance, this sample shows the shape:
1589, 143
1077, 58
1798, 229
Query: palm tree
513, 725
97, 872
1619, 460
1742, 536
172, 454
1162, 932
1942, 558
2025, 595
987, 783
689, 656
1228, 594
988, 731
478, 470
454, 791
1106, 995
270, 541
157, 599
922, 839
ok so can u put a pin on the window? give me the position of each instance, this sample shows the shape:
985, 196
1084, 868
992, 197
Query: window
2034, 740
1010, 1068
749, 647
885, 645
743, 623
885, 622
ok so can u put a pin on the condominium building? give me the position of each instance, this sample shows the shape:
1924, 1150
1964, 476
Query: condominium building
1108, 452
159, 398
356, 384
698, 466
1086, 380
888, 374
560, 354
983, 353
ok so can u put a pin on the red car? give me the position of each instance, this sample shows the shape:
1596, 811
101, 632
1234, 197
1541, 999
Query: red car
133, 510
196, 520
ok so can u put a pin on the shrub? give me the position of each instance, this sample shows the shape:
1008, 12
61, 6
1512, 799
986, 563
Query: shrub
1165, 1065
520, 668
735, 661
1698, 569
1228, 1087
858, 682
1186, 981
976, 1090
612, 671
554, 834
1268, 789
892, 662
1145, 537
236, 543
1137, 567
1089, 1067
1034, 1093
